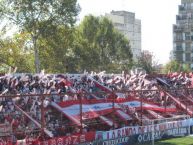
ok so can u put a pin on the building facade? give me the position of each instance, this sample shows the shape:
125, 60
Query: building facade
126, 23
183, 34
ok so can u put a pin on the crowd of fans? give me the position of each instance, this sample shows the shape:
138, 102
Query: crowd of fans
28, 89
178, 80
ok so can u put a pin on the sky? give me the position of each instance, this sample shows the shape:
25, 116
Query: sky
157, 18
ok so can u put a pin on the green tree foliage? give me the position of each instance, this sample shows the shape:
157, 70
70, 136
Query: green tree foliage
14, 52
93, 45
174, 66
98, 46
186, 68
146, 62
36, 17
56, 54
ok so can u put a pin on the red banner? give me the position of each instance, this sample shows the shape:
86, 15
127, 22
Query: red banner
68, 140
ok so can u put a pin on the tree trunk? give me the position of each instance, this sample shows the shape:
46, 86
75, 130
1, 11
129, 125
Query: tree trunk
36, 55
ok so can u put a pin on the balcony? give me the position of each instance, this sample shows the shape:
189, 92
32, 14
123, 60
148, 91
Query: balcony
188, 50
181, 8
178, 55
183, 17
177, 28
186, 8
178, 50
178, 40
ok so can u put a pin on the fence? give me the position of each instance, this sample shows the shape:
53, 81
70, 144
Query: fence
138, 108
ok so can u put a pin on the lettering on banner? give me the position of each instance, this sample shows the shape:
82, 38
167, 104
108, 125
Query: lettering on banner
175, 124
162, 127
71, 140
116, 141
123, 132
126, 131
136, 130
89, 143
149, 136
162, 134
99, 135
141, 129
177, 132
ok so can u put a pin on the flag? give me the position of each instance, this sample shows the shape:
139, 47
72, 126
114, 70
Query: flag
96, 108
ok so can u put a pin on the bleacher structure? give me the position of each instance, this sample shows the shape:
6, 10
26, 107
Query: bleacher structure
63, 108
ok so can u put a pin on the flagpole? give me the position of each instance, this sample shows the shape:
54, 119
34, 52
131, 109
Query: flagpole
81, 126
165, 102
113, 110
141, 104
42, 116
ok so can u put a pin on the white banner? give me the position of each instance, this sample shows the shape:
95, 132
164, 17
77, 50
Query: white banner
97, 108
134, 130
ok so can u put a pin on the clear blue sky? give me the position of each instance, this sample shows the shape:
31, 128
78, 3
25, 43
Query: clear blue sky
157, 17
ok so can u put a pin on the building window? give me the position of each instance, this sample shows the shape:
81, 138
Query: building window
188, 57
181, 8
179, 47
187, 36
192, 48
179, 36
118, 25
188, 47
179, 56
188, 6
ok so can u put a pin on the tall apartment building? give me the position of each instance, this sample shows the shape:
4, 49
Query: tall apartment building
183, 34
126, 23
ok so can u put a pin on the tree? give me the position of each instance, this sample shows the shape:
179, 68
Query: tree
56, 55
15, 52
174, 66
36, 17
146, 61
98, 46
186, 68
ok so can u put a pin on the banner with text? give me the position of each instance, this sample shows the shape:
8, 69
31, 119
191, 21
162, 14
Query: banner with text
140, 134
69, 140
